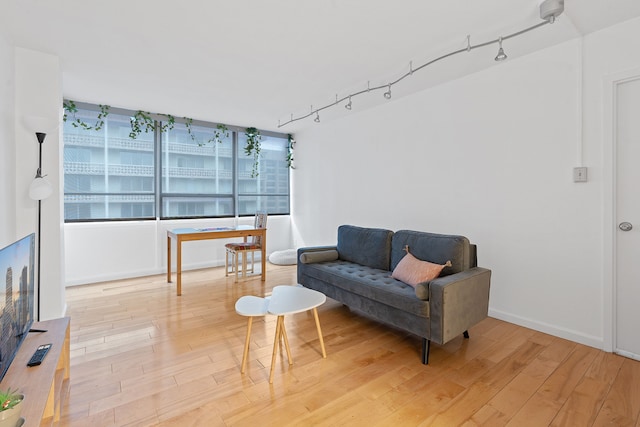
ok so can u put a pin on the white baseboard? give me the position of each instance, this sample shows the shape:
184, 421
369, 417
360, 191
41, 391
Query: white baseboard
138, 273
148, 272
571, 335
114, 276
628, 354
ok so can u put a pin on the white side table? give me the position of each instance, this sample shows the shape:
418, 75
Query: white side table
283, 300
250, 306
290, 300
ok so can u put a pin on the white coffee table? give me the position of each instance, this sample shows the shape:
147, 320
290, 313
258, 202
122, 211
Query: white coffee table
283, 300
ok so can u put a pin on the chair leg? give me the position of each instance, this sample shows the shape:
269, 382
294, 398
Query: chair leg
244, 264
466, 334
425, 351
235, 262
226, 264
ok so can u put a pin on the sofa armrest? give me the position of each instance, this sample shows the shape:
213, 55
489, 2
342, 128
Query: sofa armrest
457, 302
316, 249
301, 266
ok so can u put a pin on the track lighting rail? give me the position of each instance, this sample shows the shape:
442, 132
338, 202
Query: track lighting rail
387, 94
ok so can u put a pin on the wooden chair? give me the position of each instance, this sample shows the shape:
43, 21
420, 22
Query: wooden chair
235, 250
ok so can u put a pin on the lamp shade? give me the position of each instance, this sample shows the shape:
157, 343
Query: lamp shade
39, 124
40, 188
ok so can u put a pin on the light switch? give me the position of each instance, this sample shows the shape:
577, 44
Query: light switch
580, 174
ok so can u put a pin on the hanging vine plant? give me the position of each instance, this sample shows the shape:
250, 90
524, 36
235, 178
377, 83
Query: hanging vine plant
290, 151
221, 131
253, 148
70, 108
142, 121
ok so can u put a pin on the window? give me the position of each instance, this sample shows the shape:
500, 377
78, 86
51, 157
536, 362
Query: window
107, 175
197, 173
270, 190
175, 173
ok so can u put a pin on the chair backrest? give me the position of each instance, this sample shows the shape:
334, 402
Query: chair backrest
259, 222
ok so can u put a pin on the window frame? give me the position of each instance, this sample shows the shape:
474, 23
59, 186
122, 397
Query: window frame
158, 194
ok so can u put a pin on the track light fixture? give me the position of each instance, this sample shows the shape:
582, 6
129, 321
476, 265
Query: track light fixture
501, 56
549, 11
387, 94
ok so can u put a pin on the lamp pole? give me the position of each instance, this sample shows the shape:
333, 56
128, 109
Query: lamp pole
41, 136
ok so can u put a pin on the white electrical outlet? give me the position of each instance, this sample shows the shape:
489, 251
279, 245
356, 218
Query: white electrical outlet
580, 174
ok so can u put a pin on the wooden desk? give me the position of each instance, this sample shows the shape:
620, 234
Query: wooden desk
46, 386
189, 234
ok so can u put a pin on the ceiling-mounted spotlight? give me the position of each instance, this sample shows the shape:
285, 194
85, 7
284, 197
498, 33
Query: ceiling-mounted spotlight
551, 9
317, 119
348, 104
387, 94
501, 56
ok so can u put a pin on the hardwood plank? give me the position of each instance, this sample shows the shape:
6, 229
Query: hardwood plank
538, 411
623, 401
586, 400
144, 357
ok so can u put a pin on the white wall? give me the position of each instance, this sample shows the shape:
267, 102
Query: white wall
489, 156
38, 94
114, 250
30, 85
7, 148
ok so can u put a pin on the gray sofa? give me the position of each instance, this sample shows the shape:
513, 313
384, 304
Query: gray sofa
357, 272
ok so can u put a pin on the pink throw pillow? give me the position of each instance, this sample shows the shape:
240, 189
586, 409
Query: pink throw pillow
412, 271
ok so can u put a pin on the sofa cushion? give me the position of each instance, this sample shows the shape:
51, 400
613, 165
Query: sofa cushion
371, 283
412, 271
435, 248
318, 256
370, 247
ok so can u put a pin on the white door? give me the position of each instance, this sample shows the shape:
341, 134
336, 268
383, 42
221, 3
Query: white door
627, 247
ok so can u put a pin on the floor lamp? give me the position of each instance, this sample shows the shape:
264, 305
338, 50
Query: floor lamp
39, 190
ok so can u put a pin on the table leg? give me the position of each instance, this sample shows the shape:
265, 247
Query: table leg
276, 341
286, 342
315, 315
179, 266
168, 259
246, 345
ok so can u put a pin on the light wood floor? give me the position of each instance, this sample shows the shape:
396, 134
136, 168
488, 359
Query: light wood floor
143, 356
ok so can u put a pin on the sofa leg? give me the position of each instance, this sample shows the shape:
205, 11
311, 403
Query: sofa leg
465, 334
425, 351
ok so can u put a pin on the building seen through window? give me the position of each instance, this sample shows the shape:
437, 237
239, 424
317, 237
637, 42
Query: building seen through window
169, 174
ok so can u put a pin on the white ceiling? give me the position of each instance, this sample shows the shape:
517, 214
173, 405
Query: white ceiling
256, 62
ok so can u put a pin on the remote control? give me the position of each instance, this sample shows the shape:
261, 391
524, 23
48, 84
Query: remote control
40, 353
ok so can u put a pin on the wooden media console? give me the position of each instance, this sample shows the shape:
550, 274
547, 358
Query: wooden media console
45, 386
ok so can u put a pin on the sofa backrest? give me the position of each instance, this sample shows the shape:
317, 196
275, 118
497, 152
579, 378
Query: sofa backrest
365, 246
436, 248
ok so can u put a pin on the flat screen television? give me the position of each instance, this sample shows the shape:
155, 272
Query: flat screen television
16, 297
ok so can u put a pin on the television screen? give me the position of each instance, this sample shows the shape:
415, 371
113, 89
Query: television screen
16, 297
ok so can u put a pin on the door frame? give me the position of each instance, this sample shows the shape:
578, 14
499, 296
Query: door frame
609, 197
